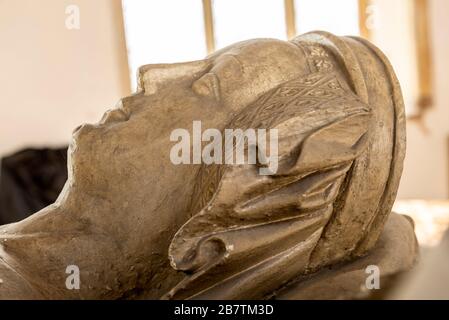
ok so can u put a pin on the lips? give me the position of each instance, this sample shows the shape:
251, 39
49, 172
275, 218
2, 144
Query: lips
114, 115
110, 116
82, 129
76, 129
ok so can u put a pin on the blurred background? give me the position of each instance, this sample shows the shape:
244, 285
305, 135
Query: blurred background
64, 63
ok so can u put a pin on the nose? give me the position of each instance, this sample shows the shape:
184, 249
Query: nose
151, 76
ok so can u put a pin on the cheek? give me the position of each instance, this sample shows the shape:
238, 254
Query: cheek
135, 154
103, 158
239, 93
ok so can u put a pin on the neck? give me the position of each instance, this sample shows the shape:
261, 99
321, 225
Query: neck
91, 234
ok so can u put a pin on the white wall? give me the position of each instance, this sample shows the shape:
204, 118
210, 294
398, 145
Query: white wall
426, 171
53, 79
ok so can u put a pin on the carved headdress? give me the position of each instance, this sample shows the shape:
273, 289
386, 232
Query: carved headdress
341, 148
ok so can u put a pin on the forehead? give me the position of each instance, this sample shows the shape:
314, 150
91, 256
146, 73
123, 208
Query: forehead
248, 60
258, 51
259, 61
247, 69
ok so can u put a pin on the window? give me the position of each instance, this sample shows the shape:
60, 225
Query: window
339, 17
177, 30
237, 20
151, 28
182, 30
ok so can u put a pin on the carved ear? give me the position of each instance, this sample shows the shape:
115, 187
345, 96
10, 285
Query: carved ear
252, 217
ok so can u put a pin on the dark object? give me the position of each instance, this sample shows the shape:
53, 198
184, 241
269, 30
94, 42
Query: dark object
30, 180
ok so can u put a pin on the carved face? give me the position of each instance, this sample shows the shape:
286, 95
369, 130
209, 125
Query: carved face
123, 161
127, 153
127, 209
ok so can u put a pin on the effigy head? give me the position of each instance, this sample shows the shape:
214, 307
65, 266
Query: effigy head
341, 143
243, 229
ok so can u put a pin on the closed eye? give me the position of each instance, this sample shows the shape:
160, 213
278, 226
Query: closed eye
207, 86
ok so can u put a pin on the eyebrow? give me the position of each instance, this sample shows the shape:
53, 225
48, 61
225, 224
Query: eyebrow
235, 58
150, 76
